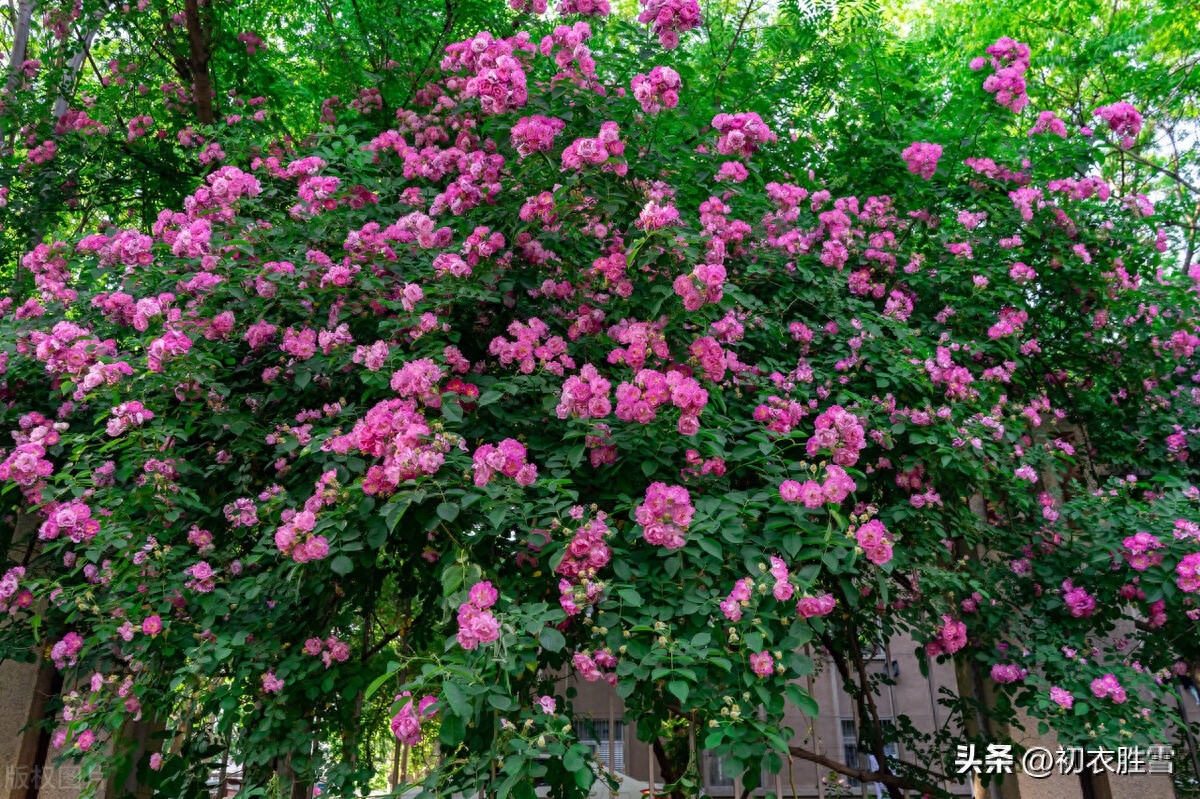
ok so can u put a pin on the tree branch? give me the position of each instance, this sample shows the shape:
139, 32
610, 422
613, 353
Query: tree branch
732, 46
1175, 176
885, 778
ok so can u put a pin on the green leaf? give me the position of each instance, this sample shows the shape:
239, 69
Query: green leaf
630, 597
831, 562
378, 682
680, 690
509, 783
501, 702
393, 511
451, 410
710, 546
573, 761
488, 397
800, 698
453, 730
457, 699
342, 565
377, 537
452, 578
551, 639
448, 511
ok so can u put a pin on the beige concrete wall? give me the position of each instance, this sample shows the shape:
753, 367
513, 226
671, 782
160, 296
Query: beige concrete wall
1106, 786
16, 691
22, 697
1142, 786
1053, 786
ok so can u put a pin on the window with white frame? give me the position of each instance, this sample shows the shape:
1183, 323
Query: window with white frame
594, 734
850, 746
715, 773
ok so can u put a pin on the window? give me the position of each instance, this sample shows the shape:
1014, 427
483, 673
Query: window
593, 733
715, 775
850, 746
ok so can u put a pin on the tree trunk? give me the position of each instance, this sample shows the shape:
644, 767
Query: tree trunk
671, 768
223, 778
68, 86
198, 55
20, 46
20, 42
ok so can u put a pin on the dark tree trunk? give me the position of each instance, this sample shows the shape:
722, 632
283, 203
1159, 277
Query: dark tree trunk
198, 56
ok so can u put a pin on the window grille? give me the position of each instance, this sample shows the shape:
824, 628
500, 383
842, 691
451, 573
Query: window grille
850, 747
593, 733
715, 775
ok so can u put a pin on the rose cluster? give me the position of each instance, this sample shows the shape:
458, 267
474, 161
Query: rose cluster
1010, 62
507, 458
669, 18
840, 431
406, 725
741, 134
658, 90
951, 637
665, 515
535, 134
876, 542
834, 489
476, 623
494, 70
922, 158
1124, 120
585, 396
639, 401
602, 149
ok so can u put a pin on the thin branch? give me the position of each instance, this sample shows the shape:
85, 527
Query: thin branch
732, 46
1162, 170
891, 780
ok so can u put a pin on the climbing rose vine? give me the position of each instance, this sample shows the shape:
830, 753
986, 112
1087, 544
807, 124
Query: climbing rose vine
537, 384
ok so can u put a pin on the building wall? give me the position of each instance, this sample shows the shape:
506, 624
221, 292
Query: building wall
15, 682
24, 690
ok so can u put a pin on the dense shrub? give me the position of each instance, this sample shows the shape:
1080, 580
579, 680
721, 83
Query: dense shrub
547, 377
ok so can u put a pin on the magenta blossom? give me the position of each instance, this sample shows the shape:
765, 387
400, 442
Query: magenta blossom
406, 725
665, 515
922, 158
762, 663
271, 684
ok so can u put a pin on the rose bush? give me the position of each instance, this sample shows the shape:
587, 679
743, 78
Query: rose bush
546, 377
